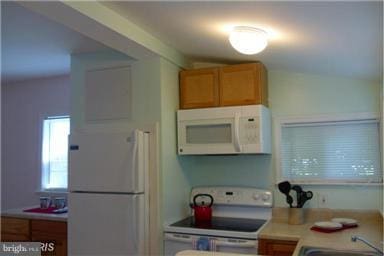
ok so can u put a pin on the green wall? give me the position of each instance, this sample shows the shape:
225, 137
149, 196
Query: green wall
175, 183
305, 94
295, 94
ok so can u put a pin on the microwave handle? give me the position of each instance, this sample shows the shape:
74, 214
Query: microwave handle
237, 132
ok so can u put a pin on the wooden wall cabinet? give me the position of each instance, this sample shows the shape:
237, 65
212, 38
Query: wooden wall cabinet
46, 231
271, 247
243, 84
199, 88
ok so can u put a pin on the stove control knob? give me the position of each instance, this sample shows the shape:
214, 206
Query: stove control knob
256, 196
266, 197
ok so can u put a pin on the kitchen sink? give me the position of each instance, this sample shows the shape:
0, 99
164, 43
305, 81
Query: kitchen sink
315, 251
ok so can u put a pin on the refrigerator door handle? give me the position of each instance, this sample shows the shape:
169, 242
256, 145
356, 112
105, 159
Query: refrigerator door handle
134, 224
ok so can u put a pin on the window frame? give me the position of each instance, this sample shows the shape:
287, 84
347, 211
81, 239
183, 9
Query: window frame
43, 169
280, 121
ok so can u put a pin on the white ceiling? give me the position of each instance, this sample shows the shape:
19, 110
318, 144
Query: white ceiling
33, 46
334, 38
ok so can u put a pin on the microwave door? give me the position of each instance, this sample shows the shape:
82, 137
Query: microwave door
218, 136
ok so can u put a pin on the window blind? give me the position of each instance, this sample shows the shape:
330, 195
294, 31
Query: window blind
323, 152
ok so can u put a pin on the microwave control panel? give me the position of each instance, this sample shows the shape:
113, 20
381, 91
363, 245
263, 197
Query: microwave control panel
249, 130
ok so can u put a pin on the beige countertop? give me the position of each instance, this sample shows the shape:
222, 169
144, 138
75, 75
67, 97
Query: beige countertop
370, 226
205, 253
19, 213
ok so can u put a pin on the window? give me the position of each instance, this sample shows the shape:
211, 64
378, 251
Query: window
330, 151
55, 153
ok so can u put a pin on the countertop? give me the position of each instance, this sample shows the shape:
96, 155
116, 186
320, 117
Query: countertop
370, 226
205, 253
18, 213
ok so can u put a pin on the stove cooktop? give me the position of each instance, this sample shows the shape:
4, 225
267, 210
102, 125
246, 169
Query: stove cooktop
222, 223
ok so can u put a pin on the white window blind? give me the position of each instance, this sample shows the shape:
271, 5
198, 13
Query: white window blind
55, 153
326, 152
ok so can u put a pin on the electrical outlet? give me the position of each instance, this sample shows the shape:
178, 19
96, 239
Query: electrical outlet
322, 200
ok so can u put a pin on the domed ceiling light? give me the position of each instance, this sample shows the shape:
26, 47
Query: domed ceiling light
248, 40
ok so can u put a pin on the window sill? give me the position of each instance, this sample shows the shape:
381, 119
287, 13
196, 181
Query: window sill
53, 192
333, 183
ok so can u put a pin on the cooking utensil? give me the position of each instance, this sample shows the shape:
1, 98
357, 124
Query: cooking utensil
299, 195
203, 212
284, 188
305, 196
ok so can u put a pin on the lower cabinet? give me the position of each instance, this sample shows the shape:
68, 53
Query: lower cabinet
271, 247
51, 234
15, 230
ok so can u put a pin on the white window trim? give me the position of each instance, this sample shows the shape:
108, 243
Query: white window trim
279, 121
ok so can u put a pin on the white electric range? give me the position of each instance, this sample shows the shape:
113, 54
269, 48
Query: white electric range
239, 213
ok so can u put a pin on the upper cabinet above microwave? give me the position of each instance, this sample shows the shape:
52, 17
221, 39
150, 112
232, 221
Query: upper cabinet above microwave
234, 85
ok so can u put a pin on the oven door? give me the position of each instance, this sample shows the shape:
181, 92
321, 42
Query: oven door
176, 242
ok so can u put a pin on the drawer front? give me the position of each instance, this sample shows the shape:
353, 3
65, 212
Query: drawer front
7, 237
271, 247
14, 226
49, 227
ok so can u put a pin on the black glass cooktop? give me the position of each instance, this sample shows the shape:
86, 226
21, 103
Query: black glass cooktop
222, 223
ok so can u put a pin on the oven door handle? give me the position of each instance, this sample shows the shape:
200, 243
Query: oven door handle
180, 238
237, 243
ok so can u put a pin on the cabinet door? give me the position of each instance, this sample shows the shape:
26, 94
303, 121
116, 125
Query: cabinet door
199, 88
276, 247
280, 249
14, 229
50, 232
243, 84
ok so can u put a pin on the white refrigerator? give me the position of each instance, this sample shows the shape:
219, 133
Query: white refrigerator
108, 199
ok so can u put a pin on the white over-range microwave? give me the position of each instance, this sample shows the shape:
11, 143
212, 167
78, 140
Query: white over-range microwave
224, 130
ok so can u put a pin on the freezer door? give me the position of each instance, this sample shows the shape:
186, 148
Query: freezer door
107, 162
106, 224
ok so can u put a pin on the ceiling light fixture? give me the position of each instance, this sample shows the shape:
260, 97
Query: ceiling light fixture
248, 40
